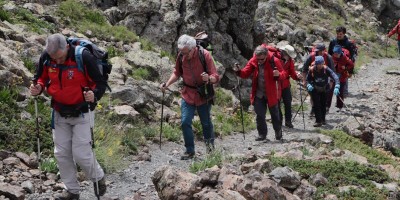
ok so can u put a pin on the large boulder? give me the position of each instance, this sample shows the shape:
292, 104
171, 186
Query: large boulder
171, 183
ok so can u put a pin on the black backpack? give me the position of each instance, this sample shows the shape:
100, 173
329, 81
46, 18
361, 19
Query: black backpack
102, 56
206, 90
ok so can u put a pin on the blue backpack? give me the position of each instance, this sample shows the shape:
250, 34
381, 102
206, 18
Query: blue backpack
101, 56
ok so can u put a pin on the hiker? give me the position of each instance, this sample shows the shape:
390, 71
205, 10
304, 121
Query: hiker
317, 81
319, 50
57, 72
191, 69
344, 67
394, 31
342, 40
267, 71
287, 56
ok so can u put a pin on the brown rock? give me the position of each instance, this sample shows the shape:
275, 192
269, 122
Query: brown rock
23, 157
261, 165
210, 176
11, 161
12, 192
173, 184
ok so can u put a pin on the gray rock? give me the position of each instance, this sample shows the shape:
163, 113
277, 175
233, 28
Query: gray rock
319, 180
286, 177
261, 165
27, 186
34, 8
305, 191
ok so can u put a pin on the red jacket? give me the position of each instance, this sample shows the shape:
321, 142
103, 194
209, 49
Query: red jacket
66, 90
288, 66
395, 30
339, 63
271, 91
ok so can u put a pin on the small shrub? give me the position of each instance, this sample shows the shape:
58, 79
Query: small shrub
172, 132
49, 165
141, 74
223, 99
212, 159
29, 64
114, 52
5, 15
146, 45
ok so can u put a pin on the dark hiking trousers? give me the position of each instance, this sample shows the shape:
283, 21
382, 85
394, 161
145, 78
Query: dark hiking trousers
260, 107
339, 103
329, 96
287, 102
319, 99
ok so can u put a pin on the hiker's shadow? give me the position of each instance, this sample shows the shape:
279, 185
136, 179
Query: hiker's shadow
359, 95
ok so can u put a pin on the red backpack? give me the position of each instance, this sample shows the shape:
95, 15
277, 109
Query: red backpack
276, 52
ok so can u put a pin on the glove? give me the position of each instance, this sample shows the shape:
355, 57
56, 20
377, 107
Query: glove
310, 87
336, 90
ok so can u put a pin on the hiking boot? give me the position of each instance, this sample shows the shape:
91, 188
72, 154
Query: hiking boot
187, 156
210, 148
289, 124
102, 186
65, 195
317, 124
261, 138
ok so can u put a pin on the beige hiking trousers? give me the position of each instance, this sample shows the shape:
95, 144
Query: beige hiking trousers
72, 141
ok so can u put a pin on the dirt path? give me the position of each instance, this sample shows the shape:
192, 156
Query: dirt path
366, 91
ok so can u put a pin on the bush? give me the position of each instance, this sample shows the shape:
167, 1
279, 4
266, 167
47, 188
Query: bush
339, 173
141, 74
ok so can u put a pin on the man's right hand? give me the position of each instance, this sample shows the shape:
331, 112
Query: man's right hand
236, 67
163, 87
35, 89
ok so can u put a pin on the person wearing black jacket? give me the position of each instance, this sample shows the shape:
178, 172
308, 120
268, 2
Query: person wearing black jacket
317, 81
58, 74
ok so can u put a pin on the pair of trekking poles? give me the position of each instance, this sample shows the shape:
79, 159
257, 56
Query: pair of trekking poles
86, 89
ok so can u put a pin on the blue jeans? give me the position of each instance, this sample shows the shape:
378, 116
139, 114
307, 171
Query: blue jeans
187, 112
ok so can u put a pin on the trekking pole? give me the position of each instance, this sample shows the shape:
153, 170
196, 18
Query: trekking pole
86, 89
240, 102
361, 126
301, 106
162, 114
38, 139
386, 45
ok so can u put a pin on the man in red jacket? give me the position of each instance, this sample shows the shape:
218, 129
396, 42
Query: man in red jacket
287, 56
267, 71
395, 30
58, 73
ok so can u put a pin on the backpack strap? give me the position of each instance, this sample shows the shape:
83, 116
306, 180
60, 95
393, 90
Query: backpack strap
201, 57
78, 57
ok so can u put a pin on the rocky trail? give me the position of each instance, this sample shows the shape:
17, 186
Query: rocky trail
373, 99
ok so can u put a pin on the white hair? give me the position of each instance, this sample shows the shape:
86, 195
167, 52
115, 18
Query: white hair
260, 50
55, 42
186, 41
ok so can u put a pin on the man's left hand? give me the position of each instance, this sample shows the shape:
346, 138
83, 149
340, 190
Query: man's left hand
89, 96
276, 73
205, 77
